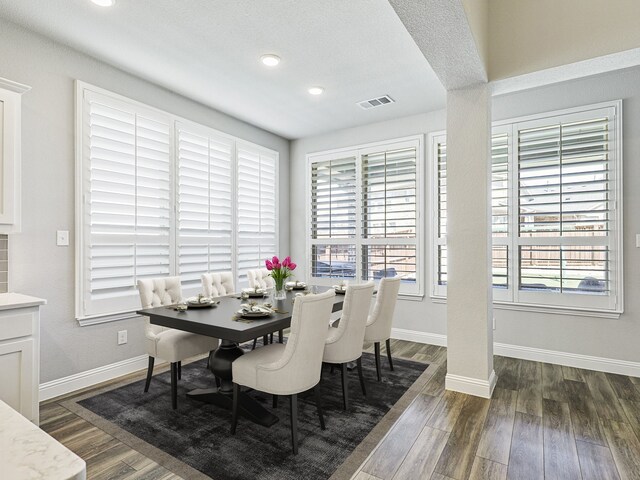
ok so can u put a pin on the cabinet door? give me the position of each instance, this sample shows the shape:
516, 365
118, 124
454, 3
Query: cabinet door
16, 376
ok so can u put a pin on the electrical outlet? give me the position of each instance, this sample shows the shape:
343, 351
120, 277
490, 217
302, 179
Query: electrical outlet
122, 337
62, 238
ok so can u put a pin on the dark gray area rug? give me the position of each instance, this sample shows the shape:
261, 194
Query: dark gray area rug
198, 433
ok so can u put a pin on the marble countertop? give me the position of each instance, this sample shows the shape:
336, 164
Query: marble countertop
28, 453
17, 300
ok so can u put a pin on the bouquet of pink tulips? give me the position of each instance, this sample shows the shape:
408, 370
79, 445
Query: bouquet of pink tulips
280, 271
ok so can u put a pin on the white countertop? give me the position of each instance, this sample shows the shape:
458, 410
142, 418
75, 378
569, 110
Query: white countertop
28, 453
17, 300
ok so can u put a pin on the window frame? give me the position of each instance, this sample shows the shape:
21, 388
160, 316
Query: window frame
517, 299
81, 181
358, 151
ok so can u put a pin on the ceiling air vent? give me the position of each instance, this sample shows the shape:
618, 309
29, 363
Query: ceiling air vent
376, 102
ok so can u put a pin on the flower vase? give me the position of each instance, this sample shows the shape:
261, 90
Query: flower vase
280, 293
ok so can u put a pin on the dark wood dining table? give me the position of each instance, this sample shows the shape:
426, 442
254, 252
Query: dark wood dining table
222, 322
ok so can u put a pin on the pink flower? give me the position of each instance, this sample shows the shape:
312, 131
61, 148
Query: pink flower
275, 260
286, 262
269, 264
292, 266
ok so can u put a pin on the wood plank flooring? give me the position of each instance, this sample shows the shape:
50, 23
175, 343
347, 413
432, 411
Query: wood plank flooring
544, 422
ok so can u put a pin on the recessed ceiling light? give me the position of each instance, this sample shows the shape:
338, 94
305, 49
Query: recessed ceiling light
104, 3
270, 60
316, 90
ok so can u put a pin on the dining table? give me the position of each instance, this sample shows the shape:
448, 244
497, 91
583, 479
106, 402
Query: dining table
223, 321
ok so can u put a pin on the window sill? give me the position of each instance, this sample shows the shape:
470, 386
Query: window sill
412, 297
546, 309
114, 317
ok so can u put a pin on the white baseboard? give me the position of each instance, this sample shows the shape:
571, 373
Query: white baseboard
588, 362
81, 380
419, 337
471, 386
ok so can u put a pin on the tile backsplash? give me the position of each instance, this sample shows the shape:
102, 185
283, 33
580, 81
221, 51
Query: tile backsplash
4, 263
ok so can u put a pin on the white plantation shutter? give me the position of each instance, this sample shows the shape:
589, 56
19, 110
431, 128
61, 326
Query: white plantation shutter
333, 217
364, 218
567, 221
556, 185
205, 204
127, 202
389, 213
158, 196
256, 208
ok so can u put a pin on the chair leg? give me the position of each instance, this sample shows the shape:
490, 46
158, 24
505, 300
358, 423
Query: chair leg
294, 423
255, 342
149, 373
316, 392
345, 386
376, 347
234, 411
179, 370
271, 338
389, 354
275, 401
364, 389
265, 340
280, 336
174, 385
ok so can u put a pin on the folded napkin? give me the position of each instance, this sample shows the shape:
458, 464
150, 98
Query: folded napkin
252, 290
203, 300
249, 308
295, 284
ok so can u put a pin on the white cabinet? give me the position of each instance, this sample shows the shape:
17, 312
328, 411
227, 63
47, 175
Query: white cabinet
10, 124
20, 353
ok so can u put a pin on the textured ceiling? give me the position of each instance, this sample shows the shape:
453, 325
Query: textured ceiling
209, 50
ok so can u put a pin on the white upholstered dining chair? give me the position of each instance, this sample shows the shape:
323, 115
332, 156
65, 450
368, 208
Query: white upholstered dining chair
217, 284
260, 278
292, 368
381, 319
169, 344
344, 342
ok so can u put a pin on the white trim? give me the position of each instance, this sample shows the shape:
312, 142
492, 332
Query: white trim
577, 360
471, 386
14, 86
572, 71
97, 319
419, 337
546, 309
88, 378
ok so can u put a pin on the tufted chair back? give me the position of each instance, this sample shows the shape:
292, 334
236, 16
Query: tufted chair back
344, 344
217, 284
301, 363
260, 278
156, 292
381, 318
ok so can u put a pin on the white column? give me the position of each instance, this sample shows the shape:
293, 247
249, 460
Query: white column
469, 295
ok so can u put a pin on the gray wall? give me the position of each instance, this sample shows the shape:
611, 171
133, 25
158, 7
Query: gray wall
608, 338
36, 265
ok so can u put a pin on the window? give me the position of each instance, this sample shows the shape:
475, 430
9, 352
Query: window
363, 218
556, 222
157, 196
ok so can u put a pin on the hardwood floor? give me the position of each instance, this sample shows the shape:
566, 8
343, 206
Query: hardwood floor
543, 422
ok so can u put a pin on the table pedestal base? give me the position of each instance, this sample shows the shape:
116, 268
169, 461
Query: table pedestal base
220, 364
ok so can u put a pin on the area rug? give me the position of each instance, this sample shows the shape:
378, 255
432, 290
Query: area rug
198, 433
